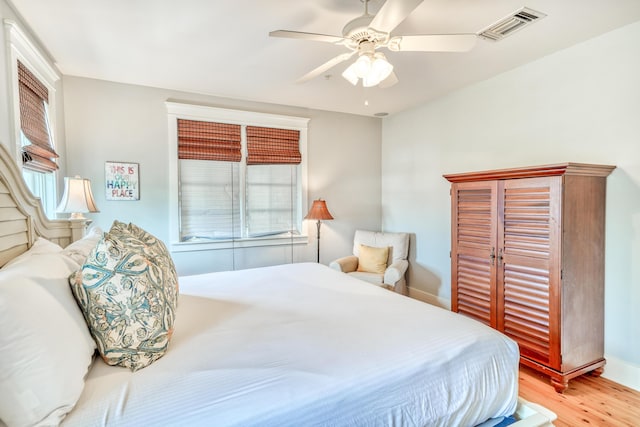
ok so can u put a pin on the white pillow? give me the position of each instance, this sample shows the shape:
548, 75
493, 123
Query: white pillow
40, 246
79, 250
45, 346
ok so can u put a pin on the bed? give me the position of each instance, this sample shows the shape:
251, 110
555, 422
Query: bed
296, 344
304, 345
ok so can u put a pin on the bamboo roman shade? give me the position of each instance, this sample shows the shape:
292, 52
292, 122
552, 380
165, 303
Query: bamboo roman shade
198, 140
39, 155
269, 146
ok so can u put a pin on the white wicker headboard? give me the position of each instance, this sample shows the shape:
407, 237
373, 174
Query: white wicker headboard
22, 219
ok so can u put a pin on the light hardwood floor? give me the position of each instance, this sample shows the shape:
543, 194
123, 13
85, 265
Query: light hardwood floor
589, 401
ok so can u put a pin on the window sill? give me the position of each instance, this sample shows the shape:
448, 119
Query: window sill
207, 245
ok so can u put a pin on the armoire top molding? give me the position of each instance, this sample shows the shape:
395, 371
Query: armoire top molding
568, 168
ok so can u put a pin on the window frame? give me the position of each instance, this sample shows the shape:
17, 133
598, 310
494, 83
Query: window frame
177, 111
22, 49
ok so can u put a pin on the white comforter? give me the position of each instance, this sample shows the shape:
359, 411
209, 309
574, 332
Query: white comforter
303, 345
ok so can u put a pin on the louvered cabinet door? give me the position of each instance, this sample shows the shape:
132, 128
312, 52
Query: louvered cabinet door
474, 232
528, 265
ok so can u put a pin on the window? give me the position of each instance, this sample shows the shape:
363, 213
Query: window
209, 201
33, 95
240, 178
271, 195
42, 185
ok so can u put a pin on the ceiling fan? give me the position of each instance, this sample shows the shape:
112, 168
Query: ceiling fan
367, 33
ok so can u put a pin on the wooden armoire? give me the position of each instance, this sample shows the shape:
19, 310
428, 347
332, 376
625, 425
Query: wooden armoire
527, 258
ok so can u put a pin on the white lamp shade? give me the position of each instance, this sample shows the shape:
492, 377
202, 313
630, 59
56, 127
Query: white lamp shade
77, 197
362, 66
380, 70
371, 68
350, 74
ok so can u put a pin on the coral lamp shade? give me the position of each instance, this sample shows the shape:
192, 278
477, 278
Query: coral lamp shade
319, 211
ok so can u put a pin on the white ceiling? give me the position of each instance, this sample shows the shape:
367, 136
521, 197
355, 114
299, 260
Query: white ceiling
222, 47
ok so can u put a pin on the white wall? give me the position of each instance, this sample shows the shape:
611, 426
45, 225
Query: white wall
116, 122
580, 105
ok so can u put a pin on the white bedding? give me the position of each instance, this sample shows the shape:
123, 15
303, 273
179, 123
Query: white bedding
303, 345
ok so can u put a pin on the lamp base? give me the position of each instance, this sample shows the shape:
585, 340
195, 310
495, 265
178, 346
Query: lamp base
318, 238
77, 215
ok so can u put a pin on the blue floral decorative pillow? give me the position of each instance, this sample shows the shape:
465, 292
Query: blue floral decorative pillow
128, 294
153, 248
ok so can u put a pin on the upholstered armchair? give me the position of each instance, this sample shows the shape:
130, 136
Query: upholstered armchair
378, 258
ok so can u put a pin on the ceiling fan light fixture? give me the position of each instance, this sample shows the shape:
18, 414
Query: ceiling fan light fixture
371, 68
350, 74
362, 66
380, 70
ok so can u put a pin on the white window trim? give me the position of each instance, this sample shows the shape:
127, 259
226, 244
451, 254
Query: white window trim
222, 115
22, 49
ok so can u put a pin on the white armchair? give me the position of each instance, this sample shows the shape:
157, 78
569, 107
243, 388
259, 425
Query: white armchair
390, 276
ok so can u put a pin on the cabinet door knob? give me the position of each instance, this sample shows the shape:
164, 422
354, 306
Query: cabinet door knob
492, 255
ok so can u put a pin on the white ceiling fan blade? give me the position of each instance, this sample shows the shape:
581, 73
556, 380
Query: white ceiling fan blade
324, 67
307, 36
392, 13
389, 81
434, 43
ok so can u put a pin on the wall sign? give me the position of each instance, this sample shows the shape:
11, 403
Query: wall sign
121, 181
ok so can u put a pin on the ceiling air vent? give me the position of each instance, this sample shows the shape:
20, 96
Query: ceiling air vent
512, 23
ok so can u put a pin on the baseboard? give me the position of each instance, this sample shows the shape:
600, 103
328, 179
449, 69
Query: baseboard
622, 372
429, 298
